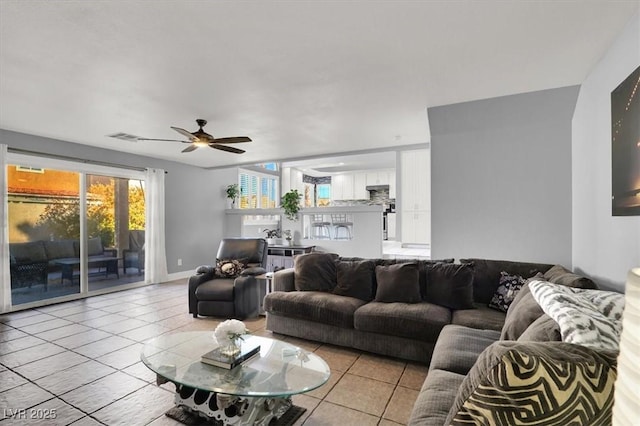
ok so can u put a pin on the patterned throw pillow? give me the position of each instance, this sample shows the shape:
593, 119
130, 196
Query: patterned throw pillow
229, 268
586, 317
509, 287
537, 383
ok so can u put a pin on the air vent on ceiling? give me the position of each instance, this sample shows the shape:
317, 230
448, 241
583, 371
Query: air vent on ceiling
125, 137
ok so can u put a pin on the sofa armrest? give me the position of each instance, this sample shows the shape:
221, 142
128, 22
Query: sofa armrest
283, 280
256, 270
246, 297
203, 273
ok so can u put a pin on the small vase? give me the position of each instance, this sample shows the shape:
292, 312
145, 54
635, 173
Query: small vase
231, 349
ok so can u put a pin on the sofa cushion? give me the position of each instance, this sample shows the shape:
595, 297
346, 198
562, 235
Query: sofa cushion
586, 317
458, 348
355, 279
487, 275
59, 249
398, 283
28, 252
558, 274
481, 317
421, 321
314, 306
315, 271
544, 329
450, 285
218, 289
509, 286
521, 314
435, 399
537, 383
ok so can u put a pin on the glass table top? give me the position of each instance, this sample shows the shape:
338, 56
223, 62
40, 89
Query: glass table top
281, 369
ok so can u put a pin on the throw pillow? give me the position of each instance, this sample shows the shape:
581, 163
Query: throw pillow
450, 285
355, 279
586, 317
229, 268
544, 329
524, 310
536, 383
558, 274
315, 271
509, 287
398, 283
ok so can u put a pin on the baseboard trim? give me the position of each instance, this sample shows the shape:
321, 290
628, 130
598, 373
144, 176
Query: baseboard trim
180, 275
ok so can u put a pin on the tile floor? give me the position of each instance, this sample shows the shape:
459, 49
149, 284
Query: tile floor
81, 358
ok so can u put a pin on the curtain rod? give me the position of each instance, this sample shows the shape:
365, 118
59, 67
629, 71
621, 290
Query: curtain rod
74, 159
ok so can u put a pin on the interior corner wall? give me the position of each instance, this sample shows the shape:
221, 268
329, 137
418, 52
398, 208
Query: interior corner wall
194, 197
501, 177
605, 247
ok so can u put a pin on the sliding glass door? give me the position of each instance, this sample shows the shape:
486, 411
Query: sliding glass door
44, 229
73, 232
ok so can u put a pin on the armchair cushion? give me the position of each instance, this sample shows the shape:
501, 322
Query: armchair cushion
217, 289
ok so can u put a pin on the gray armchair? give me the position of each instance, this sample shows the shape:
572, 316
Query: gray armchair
237, 297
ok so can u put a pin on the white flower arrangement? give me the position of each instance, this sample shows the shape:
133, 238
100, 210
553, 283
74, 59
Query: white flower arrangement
229, 331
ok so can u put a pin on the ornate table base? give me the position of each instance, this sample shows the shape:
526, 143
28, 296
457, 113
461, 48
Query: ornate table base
230, 409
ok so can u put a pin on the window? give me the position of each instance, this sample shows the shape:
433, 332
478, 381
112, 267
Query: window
257, 190
323, 195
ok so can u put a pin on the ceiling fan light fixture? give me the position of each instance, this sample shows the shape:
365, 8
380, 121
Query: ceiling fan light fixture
200, 143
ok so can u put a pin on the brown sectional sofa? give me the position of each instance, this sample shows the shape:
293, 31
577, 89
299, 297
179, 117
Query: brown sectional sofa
469, 351
403, 330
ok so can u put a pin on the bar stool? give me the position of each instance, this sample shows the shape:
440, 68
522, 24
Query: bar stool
340, 221
320, 227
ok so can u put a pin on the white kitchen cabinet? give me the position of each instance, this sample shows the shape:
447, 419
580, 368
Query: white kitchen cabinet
360, 186
347, 187
391, 226
415, 204
378, 178
336, 187
392, 184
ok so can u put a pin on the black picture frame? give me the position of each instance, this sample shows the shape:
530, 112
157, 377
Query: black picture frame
625, 147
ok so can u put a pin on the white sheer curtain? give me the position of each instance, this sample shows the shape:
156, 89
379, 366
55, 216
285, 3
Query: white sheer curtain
5, 273
155, 261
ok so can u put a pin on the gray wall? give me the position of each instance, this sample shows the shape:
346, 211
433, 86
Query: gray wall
194, 196
501, 177
604, 247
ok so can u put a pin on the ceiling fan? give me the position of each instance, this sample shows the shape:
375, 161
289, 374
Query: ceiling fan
201, 138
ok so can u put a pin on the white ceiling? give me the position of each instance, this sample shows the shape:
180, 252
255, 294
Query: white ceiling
300, 78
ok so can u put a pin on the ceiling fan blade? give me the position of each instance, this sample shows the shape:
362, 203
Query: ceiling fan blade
190, 148
236, 139
185, 133
227, 148
162, 140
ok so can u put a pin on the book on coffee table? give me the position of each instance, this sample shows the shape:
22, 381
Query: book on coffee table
218, 359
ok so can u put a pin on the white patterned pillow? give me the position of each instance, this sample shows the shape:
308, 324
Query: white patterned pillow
586, 317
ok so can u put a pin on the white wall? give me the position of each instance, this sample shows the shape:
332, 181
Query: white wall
501, 177
604, 247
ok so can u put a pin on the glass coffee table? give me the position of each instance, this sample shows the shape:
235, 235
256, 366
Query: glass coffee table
255, 392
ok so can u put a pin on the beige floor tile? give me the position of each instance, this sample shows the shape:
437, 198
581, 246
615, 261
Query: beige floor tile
304, 344
340, 359
362, 394
323, 390
401, 404
164, 421
327, 414
102, 392
141, 407
378, 368
385, 422
305, 401
413, 376
54, 412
